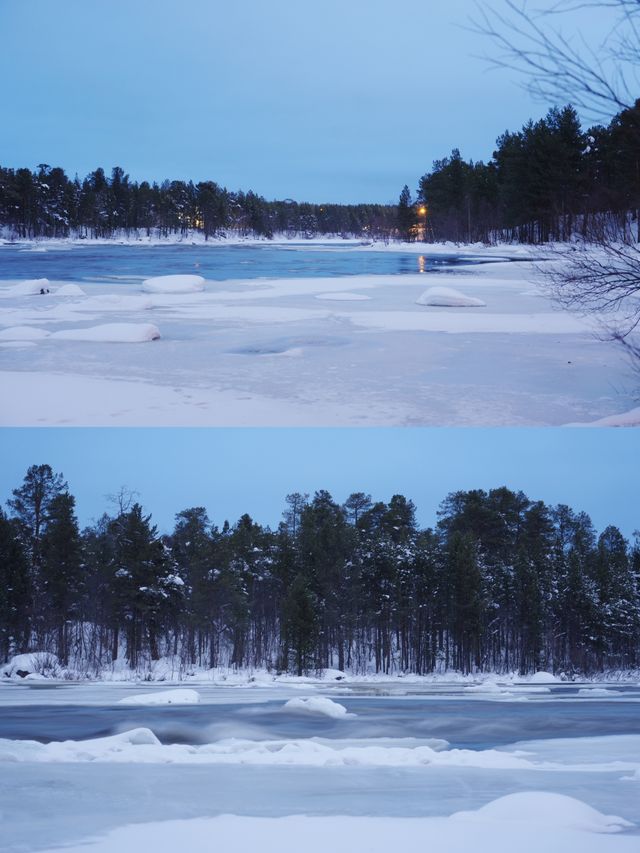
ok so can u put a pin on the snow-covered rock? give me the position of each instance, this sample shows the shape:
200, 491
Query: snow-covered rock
447, 297
174, 284
333, 675
126, 333
39, 663
165, 697
28, 288
318, 705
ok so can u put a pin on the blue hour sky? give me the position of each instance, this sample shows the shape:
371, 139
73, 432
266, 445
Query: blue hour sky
232, 471
328, 101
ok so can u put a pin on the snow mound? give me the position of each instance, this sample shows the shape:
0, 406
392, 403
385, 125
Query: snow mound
125, 333
343, 297
70, 290
166, 697
543, 678
40, 663
23, 333
174, 284
447, 297
333, 675
28, 288
317, 705
554, 810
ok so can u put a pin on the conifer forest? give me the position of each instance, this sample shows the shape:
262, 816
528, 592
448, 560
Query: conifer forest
547, 182
501, 583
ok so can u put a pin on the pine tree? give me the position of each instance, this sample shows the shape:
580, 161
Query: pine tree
406, 216
15, 591
61, 570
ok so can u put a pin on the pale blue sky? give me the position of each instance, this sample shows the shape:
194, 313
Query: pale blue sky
232, 471
324, 101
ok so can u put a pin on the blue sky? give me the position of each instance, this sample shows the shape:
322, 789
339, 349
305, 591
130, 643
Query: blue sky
231, 471
331, 101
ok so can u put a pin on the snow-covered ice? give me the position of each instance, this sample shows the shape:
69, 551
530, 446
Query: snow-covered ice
343, 297
531, 822
236, 769
359, 350
448, 297
23, 333
164, 697
126, 333
174, 284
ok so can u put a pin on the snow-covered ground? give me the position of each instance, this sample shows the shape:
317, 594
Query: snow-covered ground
324, 350
350, 765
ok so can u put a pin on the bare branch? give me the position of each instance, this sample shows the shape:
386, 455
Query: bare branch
598, 79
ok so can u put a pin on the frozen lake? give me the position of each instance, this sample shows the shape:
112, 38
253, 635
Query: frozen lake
295, 335
403, 751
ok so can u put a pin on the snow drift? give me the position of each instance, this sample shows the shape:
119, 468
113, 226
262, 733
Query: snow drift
447, 297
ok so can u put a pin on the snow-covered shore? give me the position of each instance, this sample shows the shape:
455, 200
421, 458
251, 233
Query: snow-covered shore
157, 238
36, 667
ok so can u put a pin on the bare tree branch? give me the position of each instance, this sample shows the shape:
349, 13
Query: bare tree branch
599, 79
600, 276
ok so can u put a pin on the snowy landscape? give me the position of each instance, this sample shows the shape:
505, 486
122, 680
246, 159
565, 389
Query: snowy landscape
250, 253
351, 763
322, 334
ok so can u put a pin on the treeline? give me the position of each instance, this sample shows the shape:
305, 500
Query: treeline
47, 203
501, 583
549, 181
